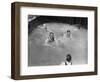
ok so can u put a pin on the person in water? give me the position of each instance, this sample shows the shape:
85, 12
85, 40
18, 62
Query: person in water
51, 37
68, 35
50, 41
68, 60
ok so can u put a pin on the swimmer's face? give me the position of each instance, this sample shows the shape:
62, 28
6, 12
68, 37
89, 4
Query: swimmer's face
68, 57
68, 32
51, 34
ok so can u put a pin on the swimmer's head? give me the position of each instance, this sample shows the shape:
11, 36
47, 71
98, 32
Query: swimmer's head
68, 57
68, 31
51, 34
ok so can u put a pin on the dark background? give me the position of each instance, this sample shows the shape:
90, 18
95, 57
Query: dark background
79, 21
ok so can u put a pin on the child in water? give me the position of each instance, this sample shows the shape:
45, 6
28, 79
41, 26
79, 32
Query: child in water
68, 60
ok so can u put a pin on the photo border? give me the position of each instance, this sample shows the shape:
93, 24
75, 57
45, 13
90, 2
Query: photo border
15, 40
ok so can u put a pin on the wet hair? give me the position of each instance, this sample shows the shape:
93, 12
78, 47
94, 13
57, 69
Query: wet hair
68, 57
51, 33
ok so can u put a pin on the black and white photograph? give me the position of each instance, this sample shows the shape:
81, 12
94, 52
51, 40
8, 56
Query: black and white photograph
50, 40
57, 40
